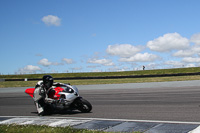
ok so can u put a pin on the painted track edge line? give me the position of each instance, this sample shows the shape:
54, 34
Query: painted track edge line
106, 119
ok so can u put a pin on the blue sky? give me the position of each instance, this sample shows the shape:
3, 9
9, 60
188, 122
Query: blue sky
98, 35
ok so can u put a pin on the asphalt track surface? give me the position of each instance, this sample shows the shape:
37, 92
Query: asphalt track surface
167, 101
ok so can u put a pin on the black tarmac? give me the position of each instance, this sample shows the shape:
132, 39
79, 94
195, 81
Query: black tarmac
164, 101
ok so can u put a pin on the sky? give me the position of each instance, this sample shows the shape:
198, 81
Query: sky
64, 36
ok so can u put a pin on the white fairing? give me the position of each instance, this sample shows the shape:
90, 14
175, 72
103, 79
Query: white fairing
69, 97
70, 93
75, 89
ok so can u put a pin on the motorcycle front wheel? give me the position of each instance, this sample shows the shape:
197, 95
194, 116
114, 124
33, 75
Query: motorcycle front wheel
83, 105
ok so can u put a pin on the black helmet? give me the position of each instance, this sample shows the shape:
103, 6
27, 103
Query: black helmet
47, 81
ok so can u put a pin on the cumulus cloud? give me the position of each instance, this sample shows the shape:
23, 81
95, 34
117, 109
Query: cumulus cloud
168, 42
191, 60
51, 20
123, 50
139, 57
118, 69
105, 62
45, 62
96, 70
183, 53
190, 65
152, 65
77, 68
29, 69
196, 39
192, 51
68, 61
174, 63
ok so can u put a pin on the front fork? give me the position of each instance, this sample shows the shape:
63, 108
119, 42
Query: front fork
76, 103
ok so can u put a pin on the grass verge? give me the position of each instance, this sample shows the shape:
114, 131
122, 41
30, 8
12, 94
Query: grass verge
103, 74
102, 81
43, 129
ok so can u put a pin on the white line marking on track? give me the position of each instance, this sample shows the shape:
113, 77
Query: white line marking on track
196, 130
81, 118
67, 122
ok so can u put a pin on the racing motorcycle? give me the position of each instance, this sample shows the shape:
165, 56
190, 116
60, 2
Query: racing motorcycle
66, 97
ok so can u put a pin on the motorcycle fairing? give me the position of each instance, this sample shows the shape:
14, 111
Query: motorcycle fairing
55, 96
30, 91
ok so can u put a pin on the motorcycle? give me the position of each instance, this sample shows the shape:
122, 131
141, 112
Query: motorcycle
65, 97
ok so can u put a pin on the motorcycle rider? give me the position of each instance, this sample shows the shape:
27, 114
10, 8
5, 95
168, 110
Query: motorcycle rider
44, 90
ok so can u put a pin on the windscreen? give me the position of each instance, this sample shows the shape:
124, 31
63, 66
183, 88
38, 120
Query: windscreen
68, 89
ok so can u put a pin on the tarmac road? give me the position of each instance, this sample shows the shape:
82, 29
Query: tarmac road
164, 101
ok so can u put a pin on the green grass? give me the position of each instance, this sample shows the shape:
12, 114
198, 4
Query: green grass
102, 74
43, 129
101, 81
105, 81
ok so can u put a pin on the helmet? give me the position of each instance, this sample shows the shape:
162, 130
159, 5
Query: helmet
47, 81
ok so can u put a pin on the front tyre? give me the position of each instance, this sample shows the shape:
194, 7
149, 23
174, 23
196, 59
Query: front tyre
83, 105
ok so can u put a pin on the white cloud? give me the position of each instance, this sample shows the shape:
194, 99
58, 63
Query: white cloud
174, 63
93, 66
123, 50
139, 57
196, 39
96, 70
45, 62
51, 20
68, 61
193, 50
29, 69
190, 65
118, 69
191, 59
183, 53
196, 49
168, 42
105, 62
77, 68
152, 65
